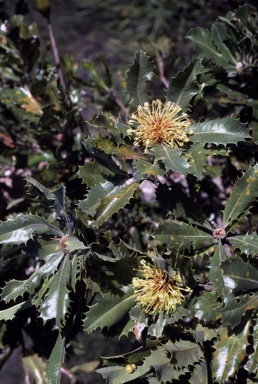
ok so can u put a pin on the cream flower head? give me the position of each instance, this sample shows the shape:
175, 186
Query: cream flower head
156, 291
160, 123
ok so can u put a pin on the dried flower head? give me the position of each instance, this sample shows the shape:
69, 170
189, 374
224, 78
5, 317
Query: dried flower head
160, 123
156, 290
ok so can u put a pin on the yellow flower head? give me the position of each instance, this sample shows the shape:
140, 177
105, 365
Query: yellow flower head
160, 123
156, 290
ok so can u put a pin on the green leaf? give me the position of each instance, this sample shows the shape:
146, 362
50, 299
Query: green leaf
110, 148
215, 274
239, 275
56, 304
219, 131
208, 307
53, 372
139, 73
182, 236
242, 195
15, 288
197, 159
106, 200
230, 353
142, 168
156, 329
205, 46
109, 309
171, 158
72, 243
94, 173
106, 122
172, 359
9, 313
220, 35
184, 86
23, 228
235, 308
251, 364
118, 374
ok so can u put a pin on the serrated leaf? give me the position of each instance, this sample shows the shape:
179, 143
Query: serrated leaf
15, 288
156, 329
182, 236
48, 194
109, 309
239, 275
72, 243
118, 374
94, 173
208, 307
105, 122
142, 168
21, 229
172, 359
235, 308
184, 86
242, 195
215, 274
56, 303
110, 148
251, 364
205, 46
219, 131
197, 159
220, 36
230, 353
139, 73
171, 158
122, 127
112, 202
53, 372
9, 313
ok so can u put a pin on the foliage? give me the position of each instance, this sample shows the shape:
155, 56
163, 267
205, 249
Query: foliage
97, 205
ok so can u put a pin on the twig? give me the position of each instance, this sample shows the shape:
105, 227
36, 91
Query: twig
161, 71
55, 52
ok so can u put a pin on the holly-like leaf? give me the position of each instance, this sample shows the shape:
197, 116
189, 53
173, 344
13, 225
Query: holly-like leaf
215, 274
15, 288
229, 354
172, 359
107, 123
142, 168
219, 131
235, 308
208, 307
243, 194
105, 200
171, 158
119, 375
9, 313
239, 275
221, 35
56, 303
205, 46
23, 101
110, 148
56, 359
182, 236
139, 73
251, 364
197, 159
23, 228
184, 86
94, 173
109, 309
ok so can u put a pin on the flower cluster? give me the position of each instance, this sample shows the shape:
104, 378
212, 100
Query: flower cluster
156, 291
159, 123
